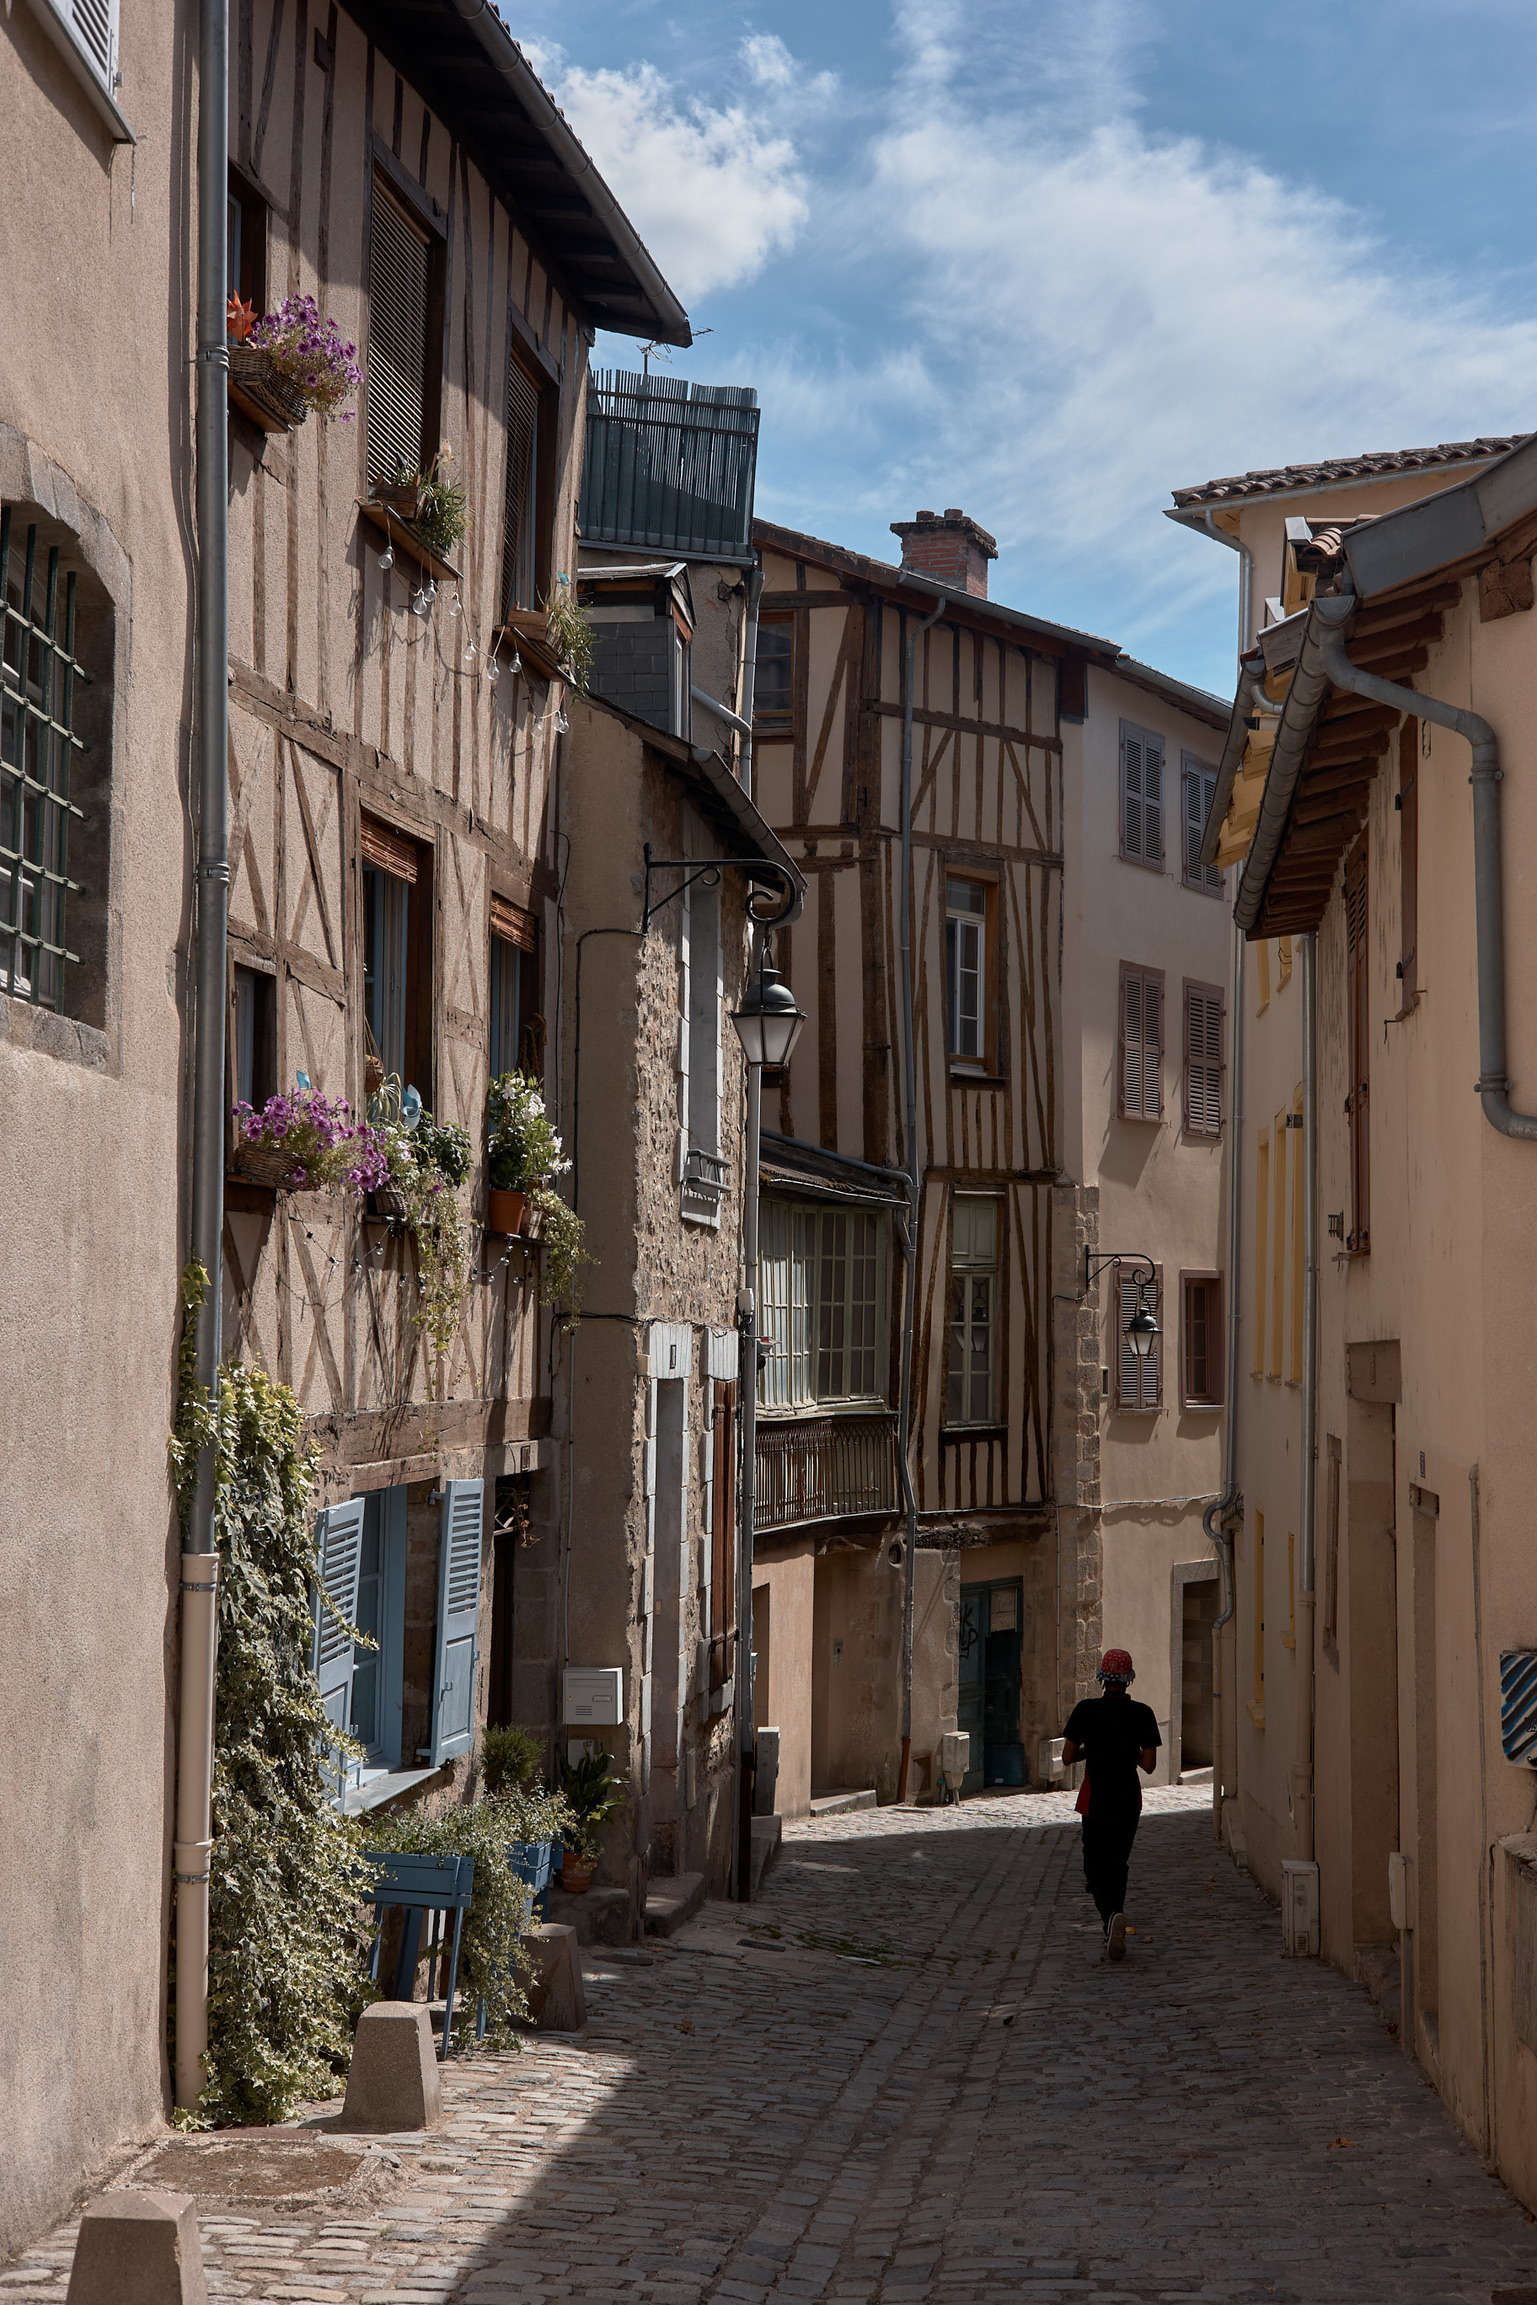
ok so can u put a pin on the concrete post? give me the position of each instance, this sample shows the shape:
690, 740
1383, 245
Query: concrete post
392, 2082
138, 2249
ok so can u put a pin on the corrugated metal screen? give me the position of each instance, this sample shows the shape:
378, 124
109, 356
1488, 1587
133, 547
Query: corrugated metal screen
670, 465
399, 279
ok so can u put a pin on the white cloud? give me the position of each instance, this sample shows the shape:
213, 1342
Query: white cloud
768, 60
712, 195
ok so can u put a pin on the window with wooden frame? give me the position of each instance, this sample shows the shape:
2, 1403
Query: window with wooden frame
971, 908
1200, 790
1138, 1377
1280, 1139
402, 391
972, 1341
1139, 1066
1358, 1044
253, 1035
516, 1002
722, 1533
1294, 1366
1261, 1235
246, 244
1201, 1355
1257, 1700
1408, 805
1205, 1058
1141, 796
1333, 1457
527, 511
397, 954
773, 701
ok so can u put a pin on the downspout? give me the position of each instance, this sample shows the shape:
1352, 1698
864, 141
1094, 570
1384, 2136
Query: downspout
1488, 875
1215, 1518
1302, 1771
1245, 578
910, 1244
750, 672
199, 1568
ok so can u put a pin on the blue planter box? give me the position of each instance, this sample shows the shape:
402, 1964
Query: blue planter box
532, 1862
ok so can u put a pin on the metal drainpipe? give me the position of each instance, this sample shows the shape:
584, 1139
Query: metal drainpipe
910, 1247
199, 1569
1245, 578
1302, 1774
1214, 1518
750, 671
747, 1415
1488, 877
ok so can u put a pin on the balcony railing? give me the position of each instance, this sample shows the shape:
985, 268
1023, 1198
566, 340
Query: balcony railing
825, 1469
669, 467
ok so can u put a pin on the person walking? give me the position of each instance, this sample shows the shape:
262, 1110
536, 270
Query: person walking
1115, 1738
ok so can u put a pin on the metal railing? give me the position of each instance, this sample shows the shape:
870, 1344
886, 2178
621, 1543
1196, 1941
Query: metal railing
669, 465
825, 1469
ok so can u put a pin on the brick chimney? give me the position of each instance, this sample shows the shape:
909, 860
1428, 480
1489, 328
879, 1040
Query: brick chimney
948, 546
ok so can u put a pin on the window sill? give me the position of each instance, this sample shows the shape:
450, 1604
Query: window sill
1256, 1713
805, 1412
1141, 1119
987, 1432
25, 1025
1202, 1408
1154, 1409
387, 1785
1141, 862
975, 1076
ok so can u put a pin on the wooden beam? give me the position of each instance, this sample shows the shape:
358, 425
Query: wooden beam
1331, 778
1374, 620
1313, 810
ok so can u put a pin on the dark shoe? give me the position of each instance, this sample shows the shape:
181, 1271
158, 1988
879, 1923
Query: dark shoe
1115, 1937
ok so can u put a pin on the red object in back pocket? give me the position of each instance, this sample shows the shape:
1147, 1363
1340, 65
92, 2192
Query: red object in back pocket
1081, 1805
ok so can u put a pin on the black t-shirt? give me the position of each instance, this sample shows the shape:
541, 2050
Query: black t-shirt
1110, 1732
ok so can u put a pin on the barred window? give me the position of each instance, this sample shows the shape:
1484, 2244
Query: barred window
39, 680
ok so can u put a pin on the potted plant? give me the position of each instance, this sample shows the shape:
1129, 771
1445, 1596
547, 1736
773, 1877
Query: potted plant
510, 1760
592, 1794
522, 1148
290, 363
302, 1141
568, 631
431, 503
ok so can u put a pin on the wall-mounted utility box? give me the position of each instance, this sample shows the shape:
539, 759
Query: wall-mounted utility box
1299, 1908
594, 1696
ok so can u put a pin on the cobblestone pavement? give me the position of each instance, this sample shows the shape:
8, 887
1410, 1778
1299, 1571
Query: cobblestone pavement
907, 2075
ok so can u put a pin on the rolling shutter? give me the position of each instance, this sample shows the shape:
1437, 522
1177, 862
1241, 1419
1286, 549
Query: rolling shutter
340, 1535
399, 274
518, 573
453, 1702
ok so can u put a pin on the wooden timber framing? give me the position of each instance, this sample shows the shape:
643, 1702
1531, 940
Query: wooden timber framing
343, 701
988, 807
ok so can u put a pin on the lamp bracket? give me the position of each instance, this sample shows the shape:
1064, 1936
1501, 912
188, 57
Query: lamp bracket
1094, 1265
708, 869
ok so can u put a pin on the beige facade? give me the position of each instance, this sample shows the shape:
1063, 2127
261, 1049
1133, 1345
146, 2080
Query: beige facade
1421, 1791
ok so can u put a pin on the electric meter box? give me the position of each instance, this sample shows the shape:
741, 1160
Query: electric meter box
1299, 1908
594, 1696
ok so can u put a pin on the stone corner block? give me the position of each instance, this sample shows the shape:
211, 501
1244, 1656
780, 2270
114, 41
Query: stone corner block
550, 1973
392, 2082
138, 2249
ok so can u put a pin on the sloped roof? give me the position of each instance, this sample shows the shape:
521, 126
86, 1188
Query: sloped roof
1336, 471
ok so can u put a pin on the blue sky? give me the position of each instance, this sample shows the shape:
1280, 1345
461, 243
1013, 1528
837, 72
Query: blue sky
1048, 259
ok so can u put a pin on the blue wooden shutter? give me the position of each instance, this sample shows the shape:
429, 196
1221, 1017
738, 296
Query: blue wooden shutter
453, 1703
340, 1532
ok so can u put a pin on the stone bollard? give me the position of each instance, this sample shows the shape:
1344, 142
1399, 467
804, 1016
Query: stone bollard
766, 1773
392, 2082
954, 1759
138, 2249
550, 1973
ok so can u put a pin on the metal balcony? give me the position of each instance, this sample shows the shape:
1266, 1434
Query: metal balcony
829, 1468
669, 466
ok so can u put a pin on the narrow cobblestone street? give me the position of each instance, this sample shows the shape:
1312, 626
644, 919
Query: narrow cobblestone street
907, 2074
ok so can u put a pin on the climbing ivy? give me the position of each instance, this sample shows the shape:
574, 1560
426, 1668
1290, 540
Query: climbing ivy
285, 1982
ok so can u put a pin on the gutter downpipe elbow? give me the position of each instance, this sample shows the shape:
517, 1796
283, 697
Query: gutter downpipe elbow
1245, 578
1216, 1516
1488, 873
910, 1258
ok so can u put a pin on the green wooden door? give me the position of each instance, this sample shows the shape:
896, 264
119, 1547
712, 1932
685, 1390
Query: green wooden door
990, 1674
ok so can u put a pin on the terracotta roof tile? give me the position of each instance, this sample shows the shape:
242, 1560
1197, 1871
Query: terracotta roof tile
1374, 465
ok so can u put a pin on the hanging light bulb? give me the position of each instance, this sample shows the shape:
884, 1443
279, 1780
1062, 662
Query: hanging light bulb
454, 603
469, 654
561, 722
420, 602
387, 556
517, 661
493, 668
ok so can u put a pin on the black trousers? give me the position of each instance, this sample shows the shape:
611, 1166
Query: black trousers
1108, 1834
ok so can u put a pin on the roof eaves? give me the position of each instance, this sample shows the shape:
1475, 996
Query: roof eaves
1190, 505
1200, 703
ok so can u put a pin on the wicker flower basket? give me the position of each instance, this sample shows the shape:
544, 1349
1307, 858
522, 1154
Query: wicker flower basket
273, 398
264, 1164
388, 1201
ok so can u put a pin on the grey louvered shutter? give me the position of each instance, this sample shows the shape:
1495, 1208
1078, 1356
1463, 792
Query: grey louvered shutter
93, 26
453, 1699
1152, 800
340, 1535
396, 387
1131, 795
1131, 1045
518, 575
1212, 872
1203, 1061
1195, 825
1152, 1046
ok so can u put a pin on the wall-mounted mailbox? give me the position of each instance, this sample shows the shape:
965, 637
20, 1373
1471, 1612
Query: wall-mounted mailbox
594, 1696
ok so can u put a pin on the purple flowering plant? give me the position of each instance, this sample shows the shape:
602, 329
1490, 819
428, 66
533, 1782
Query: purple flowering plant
319, 1135
311, 353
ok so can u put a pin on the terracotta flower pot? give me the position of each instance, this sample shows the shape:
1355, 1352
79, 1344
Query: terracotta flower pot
576, 1873
405, 502
506, 1210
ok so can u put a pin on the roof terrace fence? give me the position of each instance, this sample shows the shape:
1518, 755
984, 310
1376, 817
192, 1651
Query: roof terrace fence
670, 465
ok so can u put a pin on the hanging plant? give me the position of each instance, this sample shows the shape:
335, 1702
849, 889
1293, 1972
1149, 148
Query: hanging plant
286, 1981
427, 1161
564, 1236
300, 349
430, 501
569, 632
305, 1140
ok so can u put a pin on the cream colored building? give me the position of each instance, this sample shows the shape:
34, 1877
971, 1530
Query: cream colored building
1393, 1745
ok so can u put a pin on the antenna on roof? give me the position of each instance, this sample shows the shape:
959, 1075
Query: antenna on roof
661, 351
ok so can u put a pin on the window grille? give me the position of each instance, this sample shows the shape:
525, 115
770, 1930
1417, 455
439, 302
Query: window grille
38, 675
399, 284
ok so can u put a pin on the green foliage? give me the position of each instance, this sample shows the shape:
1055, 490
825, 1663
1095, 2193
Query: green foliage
570, 631
428, 1161
194, 1426
442, 507
445, 1146
541, 1815
566, 1260
521, 1144
499, 1909
285, 1977
510, 1758
592, 1793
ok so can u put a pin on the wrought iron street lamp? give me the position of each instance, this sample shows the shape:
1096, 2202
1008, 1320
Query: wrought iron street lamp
768, 1024
1141, 1331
